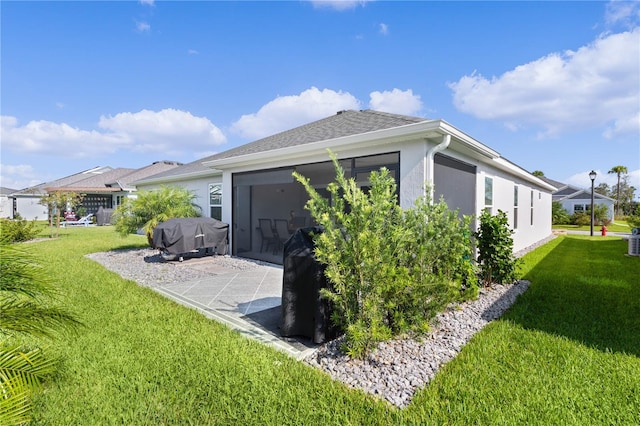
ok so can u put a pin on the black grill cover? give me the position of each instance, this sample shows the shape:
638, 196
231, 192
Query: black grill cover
183, 235
304, 311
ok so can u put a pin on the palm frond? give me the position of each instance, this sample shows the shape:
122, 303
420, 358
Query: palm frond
22, 372
29, 317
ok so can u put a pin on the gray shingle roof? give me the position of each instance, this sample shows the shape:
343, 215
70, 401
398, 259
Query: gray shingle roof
555, 183
7, 191
344, 123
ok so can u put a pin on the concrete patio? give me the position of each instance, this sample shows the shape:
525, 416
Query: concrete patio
246, 300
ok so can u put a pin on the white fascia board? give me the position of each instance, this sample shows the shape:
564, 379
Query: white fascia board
516, 170
422, 130
180, 177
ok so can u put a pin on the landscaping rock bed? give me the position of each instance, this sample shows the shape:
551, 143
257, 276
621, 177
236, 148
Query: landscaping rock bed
146, 267
397, 368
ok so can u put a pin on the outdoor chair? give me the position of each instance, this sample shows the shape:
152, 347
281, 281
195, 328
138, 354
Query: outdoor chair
268, 235
282, 232
83, 221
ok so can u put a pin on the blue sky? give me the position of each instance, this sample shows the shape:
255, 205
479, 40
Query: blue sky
552, 86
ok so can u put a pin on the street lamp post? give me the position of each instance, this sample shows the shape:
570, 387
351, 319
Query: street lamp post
592, 176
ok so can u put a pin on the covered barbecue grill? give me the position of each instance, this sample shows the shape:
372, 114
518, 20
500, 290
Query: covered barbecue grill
178, 237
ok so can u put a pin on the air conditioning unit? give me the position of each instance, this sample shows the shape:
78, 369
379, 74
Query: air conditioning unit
634, 245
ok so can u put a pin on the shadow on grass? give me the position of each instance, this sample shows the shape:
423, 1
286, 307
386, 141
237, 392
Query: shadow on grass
586, 290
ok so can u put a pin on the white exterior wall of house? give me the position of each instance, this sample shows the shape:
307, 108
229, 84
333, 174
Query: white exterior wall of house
199, 186
6, 207
528, 231
29, 209
585, 203
413, 174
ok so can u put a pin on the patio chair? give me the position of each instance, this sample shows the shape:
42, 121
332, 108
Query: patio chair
269, 237
282, 232
83, 221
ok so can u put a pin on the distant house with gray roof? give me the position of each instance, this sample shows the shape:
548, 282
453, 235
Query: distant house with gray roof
254, 181
101, 186
578, 200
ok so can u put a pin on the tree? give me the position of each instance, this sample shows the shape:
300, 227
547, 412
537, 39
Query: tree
538, 173
57, 201
152, 207
627, 193
559, 215
618, 170
603, 189
27, 308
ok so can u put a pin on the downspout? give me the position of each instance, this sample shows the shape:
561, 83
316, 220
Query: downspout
429, 166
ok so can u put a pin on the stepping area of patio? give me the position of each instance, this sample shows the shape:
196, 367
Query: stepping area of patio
245, 300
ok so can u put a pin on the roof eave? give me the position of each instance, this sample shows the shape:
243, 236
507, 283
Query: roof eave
177, 178
421, 130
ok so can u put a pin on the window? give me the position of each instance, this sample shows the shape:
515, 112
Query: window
215, 200
579, 208
515, 207
488, 194
532, 207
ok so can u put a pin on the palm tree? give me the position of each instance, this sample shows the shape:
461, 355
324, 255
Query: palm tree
538, 173
152, 207
619, 170
26, 308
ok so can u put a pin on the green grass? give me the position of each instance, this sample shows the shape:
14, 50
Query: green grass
568, 352
612, 227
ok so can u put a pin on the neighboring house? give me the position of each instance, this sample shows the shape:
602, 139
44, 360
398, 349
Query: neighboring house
103, 186
578, 200
254, 181
6, 202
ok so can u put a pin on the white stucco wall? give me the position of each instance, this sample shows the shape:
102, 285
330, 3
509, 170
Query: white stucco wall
6, 207
199, 186
526, 233
29, 209
569, 204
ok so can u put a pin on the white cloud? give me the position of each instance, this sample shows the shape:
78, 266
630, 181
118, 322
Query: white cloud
384, 29
287, 112
396, 101
148, 2
60, 105
595, 86
169, 131
339, 4
143, 27
18, 176
49, 138
192, 52
582, 180
625, 12
172, 132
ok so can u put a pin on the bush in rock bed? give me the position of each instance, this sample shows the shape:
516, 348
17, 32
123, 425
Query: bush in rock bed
388, 272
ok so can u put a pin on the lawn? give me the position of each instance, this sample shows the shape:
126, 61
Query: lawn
612, 227
567, 352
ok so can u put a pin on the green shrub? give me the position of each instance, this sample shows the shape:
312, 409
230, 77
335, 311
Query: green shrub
559, 215
495, 246
18, 230
152, 207
580, 219
634, 220
391, 271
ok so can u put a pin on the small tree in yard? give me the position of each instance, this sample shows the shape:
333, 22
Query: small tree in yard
390, 271
58, 201
152, 207
495, 246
